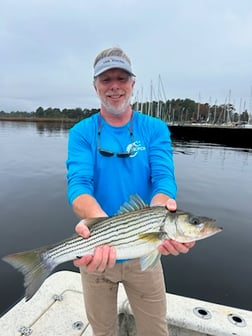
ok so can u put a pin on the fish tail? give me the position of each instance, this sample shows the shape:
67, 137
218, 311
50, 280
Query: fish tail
34, 266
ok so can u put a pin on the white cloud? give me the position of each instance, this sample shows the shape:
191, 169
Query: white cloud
48, 48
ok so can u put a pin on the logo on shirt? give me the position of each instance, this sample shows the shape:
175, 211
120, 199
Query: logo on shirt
134, 148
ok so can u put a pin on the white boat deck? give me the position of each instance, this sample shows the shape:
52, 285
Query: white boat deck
58, 310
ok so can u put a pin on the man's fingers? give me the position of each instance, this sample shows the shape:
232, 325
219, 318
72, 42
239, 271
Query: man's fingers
104, 256
173, 247
180, 247
97, 262
190, 245
171, 204
112, 257
82, 229
168, 248
83, 261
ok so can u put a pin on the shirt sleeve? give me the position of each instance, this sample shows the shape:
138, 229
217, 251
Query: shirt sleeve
161, 161
80, 163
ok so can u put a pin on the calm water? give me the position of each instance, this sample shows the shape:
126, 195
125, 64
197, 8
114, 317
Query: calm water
213, 181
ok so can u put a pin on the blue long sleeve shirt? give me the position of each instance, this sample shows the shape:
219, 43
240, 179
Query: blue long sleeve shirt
111, 180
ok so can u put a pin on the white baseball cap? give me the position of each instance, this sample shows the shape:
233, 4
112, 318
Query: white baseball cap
112, 62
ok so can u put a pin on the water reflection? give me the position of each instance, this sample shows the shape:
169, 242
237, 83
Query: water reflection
241, 157
52, 128
213, 180
42, 127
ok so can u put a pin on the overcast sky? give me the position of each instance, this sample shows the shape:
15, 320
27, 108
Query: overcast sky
201, 49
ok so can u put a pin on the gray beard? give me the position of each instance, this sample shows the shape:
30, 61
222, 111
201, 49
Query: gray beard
116, 110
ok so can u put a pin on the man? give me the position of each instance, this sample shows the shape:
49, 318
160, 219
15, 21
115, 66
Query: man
111, 155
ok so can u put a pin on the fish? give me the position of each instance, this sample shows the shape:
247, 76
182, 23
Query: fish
135, 231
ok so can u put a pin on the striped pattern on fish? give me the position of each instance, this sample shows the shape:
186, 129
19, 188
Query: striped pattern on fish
121, 231
135, 232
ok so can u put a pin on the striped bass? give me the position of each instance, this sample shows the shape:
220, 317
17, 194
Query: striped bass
135, 232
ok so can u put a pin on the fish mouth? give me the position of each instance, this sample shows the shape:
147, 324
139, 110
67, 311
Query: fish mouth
209, 228
210, 222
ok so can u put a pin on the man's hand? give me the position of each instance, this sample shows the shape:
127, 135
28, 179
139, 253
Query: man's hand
171, 204
104, 256
173, 247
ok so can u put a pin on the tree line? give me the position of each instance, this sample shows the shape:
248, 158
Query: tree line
173, 111
50, 113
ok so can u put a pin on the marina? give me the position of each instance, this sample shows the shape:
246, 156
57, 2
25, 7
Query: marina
213, 179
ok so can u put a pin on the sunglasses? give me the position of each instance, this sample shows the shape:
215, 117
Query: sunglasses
109, 153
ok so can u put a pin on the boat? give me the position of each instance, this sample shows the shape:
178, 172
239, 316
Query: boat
57, 309
231, 136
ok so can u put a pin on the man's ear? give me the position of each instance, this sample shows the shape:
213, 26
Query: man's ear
94, 86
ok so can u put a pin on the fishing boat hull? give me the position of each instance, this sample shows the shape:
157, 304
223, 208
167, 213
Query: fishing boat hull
57, 309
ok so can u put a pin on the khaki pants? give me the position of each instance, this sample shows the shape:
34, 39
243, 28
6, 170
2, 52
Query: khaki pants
145, 291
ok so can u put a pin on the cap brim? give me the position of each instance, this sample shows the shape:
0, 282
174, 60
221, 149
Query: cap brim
113, 62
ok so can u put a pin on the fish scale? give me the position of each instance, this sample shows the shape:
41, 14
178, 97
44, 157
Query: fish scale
135, 232
117, 232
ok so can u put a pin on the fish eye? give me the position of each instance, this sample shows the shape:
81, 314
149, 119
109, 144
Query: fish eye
194, 220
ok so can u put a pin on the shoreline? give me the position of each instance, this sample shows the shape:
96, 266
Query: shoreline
36, 119
232, 136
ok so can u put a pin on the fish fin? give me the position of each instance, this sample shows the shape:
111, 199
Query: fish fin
34, 267
152, 236
150, 260
135, 203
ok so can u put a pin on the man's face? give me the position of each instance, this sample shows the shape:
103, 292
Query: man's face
114, 88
